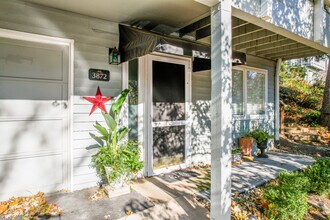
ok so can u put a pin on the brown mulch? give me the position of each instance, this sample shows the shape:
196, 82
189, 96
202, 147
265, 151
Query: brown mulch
250, 205
289, 146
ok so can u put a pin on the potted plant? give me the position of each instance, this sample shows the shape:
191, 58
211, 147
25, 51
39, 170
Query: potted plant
261, 137
236, 155
118, 159
246, 144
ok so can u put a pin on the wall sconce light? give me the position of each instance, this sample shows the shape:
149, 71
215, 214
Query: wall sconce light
114, 56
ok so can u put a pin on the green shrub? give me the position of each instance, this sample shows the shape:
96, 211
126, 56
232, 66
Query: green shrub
285, 202
236, 150
288, 198
311, 117
319, 176
297, 180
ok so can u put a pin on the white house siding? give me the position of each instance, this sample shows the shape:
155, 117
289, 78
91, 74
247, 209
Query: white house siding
90, 51
201, 115
326, 40
296, 16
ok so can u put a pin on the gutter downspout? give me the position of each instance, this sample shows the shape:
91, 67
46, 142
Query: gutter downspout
277, 102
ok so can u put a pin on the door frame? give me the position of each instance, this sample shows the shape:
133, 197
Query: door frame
18, 35
148, 110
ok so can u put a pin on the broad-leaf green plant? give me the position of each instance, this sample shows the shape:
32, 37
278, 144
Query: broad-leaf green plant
260, 135
116, 151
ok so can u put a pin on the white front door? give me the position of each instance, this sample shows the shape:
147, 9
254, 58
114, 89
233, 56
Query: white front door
33, 117
168, 99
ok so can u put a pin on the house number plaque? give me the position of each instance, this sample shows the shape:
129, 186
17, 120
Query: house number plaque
99, 75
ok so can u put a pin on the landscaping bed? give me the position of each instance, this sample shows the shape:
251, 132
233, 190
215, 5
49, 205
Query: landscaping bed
294, 195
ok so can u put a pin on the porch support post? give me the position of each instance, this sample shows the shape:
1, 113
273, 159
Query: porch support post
319, 16
277, 101
221, 114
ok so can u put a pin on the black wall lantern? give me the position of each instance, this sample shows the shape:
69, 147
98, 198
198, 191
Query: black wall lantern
114, 56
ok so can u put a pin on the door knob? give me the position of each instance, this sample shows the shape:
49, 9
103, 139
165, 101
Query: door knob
55, 103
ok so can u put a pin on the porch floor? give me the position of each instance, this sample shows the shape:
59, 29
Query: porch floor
173, 195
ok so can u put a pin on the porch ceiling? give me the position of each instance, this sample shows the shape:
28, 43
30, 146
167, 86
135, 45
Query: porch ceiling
252, 39
168, 15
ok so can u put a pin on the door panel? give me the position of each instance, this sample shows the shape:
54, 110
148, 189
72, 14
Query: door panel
168, 146
168, 108
168, 89
23, 59
33, 117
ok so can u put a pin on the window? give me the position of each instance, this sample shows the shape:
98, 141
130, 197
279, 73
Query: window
249, 91
237, 92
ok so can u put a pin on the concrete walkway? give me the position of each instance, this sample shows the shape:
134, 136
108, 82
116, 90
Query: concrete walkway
173, 195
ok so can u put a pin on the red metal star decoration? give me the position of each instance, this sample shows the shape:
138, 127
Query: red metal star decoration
98, 101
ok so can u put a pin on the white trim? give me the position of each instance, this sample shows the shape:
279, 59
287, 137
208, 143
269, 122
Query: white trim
70, 112
245, 69
170, 169
18, 35
277, 99
148, 100
143, 112
124, 70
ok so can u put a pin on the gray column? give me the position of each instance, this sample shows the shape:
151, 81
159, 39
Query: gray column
221, 114
319, 22
277, 102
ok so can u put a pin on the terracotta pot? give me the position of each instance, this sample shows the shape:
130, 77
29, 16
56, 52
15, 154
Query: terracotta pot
246, 144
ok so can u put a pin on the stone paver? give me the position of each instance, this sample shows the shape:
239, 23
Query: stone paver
249, 175
172, 195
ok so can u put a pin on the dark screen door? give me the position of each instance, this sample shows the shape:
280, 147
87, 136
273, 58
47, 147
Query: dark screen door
168, 114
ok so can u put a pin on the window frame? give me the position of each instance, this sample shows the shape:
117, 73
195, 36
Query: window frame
245, 69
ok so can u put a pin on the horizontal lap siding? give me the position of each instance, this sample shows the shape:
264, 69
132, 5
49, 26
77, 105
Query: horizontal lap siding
90, 51
201, 124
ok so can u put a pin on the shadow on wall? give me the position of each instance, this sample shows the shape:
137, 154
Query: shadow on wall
294, 15
201, 131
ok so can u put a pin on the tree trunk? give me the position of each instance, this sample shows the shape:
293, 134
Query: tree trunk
325, 111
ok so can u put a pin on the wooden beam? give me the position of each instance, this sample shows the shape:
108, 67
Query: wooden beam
271, 45
281, 49
253, 37
236, 23
296, 53
195, 26
240, 25
277, 54
239, 30
260, 42
203, 32
302, 55
245, 30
